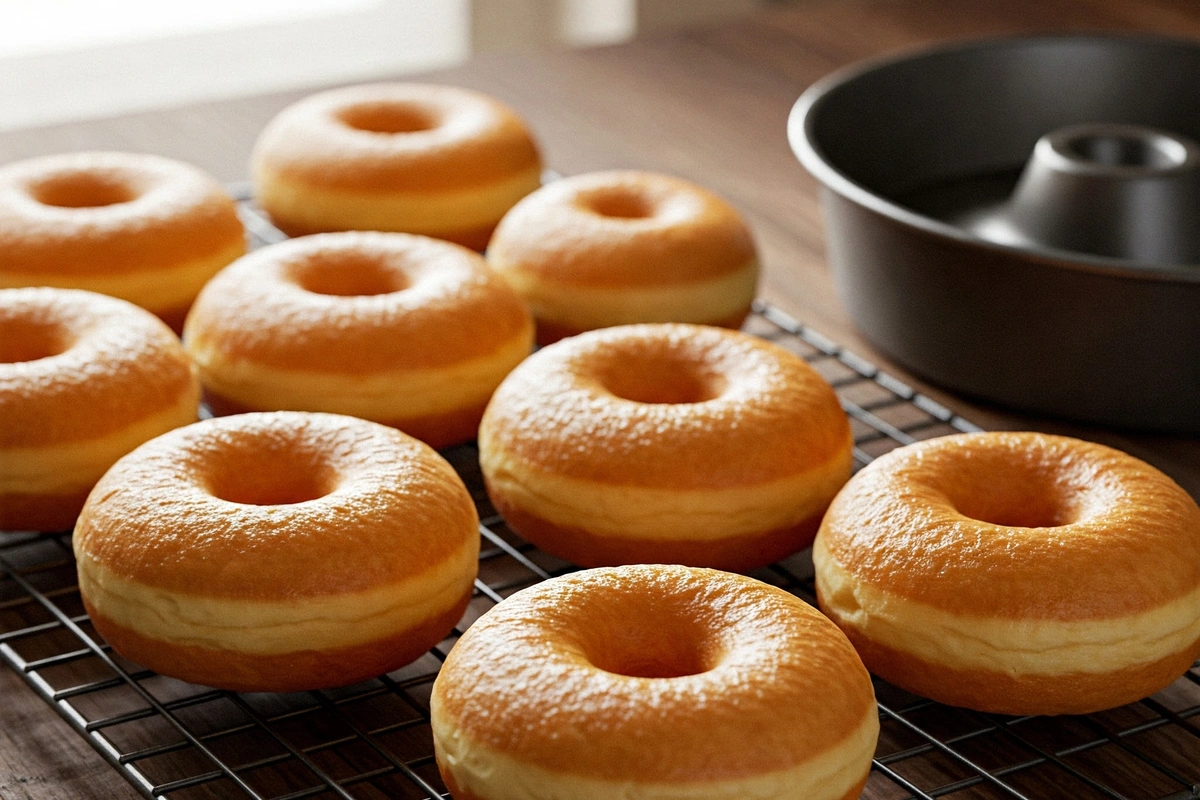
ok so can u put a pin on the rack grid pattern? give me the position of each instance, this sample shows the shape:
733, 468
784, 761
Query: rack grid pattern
176, 741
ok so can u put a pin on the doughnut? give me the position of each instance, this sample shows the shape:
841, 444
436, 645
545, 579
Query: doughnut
405, 330
277, 551
1016, 573
412, 158
84, 379
665, 443
615, 248
656, 683
140, 227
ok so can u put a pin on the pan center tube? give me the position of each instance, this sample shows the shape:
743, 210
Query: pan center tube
1123, 191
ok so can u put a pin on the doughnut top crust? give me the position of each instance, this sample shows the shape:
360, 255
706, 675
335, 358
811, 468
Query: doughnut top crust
77, 365
654, 673
100, 214
667, 406
1017, 525
395, 137
278, 505
622, 228
357, 302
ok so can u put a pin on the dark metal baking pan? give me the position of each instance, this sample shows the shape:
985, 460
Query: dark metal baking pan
1019, 219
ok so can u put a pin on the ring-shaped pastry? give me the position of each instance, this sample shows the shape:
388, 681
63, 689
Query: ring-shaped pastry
415, 158
622, 247
84, 379
144, 228
409, 331
277, 552
665, 444
654, 682
1018, 573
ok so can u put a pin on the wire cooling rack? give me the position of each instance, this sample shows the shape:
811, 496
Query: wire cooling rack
177, 741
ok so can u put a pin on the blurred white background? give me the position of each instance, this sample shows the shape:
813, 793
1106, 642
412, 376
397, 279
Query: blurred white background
63, 60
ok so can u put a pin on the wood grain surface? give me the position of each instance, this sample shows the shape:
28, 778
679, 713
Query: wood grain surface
708, 104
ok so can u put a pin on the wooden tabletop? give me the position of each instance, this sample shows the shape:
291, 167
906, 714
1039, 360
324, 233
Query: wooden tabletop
707, 104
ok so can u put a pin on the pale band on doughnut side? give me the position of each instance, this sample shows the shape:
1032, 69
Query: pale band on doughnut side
277, 552
1020, 647
401, 329
1015, 573
835, 774
421, 391
414, 158
653, 682
140, 227
67, 467
313, 209
665, 443
169, 289
273, 628
622, 247
582, 307
634, 511
84, 379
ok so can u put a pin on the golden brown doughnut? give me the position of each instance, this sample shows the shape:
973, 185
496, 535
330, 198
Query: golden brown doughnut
277, 552
84, 379
665, 444
614, 248
414, 158
405, 330
140, 227
653, 683
1017, 573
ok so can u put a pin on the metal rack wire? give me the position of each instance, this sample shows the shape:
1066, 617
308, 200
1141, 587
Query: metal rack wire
176, 741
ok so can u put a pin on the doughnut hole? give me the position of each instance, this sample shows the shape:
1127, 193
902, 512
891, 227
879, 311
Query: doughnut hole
620, 202
1021, 490
347, 274
650, 637
82, 190
662, 378
31, 340
388, 117
269, 473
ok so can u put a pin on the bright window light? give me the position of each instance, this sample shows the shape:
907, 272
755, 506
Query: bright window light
30, 27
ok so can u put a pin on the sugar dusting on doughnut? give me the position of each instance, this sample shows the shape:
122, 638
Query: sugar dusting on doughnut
404, 330
1019, 573
653, 682
416, 158
144, 228
84, 379
277, 552
665, 443
621, 247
